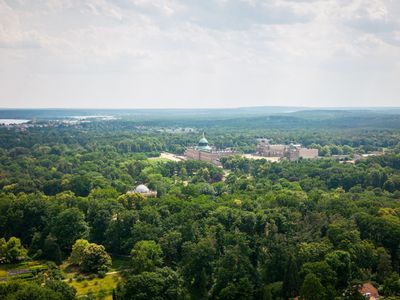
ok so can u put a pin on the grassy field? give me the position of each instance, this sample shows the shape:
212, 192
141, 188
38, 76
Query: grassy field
101, 288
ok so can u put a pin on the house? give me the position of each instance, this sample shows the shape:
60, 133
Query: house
369, 291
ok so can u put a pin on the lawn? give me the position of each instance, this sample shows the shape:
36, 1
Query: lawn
100, 287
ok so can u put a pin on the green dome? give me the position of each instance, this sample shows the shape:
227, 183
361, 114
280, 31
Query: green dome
203, 145
203, 140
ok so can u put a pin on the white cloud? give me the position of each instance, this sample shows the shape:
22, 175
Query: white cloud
234, 52
167, 7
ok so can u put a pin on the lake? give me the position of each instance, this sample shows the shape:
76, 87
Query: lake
13, 121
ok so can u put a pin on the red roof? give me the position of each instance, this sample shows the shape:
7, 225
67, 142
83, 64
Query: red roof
368, 288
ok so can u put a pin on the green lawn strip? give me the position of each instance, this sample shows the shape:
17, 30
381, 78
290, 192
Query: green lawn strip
21, 270
26, 276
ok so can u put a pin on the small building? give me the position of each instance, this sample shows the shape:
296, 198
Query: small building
143, 190
369, 291
204, 152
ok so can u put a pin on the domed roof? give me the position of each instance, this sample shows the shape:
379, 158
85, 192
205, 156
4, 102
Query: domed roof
141, 188
203, 140
203, 145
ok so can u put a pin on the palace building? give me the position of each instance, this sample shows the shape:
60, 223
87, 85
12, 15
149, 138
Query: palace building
204, 152
291, 152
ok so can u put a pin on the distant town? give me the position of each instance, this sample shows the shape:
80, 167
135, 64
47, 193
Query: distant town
203, 151
265, 150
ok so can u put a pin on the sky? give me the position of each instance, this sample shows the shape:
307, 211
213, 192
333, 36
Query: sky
199, 53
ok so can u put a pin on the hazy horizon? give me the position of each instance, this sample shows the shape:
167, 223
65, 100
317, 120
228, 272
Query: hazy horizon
199, 54
207, 108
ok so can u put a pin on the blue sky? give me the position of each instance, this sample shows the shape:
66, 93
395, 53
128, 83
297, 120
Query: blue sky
199, 53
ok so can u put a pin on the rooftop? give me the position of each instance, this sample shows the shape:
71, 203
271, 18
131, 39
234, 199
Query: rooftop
142, 189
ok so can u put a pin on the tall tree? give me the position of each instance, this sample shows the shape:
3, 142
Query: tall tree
340, 262
12, 250
95, 259
78, 251
160, 284
291, 279
68, 227
235, 276
146, 256
197, 266
312, 288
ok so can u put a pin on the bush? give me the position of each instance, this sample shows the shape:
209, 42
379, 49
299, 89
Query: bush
102, 274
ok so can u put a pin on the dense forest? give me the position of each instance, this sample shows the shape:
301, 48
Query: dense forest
254, 229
